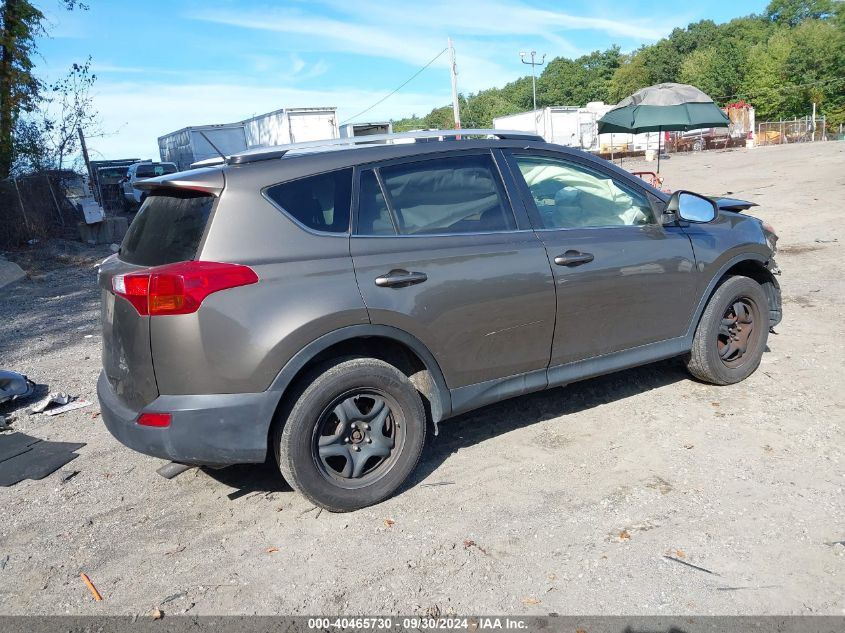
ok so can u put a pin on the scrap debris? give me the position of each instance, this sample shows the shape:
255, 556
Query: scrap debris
91, 587
56, 397
64, 401
24, 457
683, 562
14, 385
76, 404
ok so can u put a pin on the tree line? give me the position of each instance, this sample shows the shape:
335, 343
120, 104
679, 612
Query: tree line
782, 62
39, 121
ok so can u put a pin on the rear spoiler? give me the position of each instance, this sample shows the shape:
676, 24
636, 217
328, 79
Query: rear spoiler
205, 180
732, 204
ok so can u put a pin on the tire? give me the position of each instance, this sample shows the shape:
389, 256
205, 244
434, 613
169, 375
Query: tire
725, 350
697, 146
346, 464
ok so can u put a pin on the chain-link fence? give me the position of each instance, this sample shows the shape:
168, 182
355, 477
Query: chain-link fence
803, 130
37, 206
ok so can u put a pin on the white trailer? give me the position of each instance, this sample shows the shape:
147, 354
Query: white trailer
280, 127
351, 130
189, 144
564, 125
575, 126
291, 125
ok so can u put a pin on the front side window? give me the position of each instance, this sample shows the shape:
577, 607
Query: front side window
458, 194
319, 202
567, 196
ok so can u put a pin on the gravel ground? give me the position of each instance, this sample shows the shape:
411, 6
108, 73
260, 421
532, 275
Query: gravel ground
567, 501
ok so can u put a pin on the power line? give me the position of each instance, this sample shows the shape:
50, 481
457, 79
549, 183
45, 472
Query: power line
405, 83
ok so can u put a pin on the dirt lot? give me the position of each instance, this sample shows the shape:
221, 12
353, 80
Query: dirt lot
566, 501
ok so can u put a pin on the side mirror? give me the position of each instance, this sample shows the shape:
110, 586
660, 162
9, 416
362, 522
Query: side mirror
692, 207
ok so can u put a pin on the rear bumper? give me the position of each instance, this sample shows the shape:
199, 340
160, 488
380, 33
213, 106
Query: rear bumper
213, 429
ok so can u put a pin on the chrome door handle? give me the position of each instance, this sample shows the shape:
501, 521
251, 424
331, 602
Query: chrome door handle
400, 279
573, 258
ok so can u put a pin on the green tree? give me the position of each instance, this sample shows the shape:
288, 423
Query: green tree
578, 81
766, 75
631, 75
793, 12
21, 23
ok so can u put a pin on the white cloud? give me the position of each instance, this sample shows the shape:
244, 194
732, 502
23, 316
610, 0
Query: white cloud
140, 112
413, 32
488, 35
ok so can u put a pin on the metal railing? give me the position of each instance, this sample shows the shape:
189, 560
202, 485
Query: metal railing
798, 130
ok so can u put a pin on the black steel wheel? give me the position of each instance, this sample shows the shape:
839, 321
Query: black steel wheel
351, 434
732, 333
356, 440
737, 332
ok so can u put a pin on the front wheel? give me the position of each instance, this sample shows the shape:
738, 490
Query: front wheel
732, 334
352, 435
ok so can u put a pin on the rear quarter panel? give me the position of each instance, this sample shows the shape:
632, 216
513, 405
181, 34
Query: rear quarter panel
241, 338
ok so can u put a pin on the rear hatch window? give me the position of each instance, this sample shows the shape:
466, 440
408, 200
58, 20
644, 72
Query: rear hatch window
151, 170
167, 229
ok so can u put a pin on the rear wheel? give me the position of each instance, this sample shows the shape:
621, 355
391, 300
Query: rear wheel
353, 434
732, 334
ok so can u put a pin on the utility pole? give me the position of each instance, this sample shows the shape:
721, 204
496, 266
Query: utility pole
453, 70
85, 156
533, 63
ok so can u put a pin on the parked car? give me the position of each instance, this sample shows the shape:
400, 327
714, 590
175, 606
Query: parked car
704, 138
325, 307
133, 196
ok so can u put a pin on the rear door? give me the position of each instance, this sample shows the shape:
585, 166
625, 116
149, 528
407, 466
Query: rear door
439, 254
622, 279
167, 229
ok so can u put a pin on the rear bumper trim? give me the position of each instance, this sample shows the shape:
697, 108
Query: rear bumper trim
212, 429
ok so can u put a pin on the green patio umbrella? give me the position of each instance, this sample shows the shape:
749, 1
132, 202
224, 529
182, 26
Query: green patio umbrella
661, 108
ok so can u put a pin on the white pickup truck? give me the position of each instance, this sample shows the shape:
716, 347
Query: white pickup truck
132, 197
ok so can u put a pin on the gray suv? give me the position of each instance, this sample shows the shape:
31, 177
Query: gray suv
322, 305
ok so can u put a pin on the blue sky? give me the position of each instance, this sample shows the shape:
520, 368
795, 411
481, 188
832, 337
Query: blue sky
165, 65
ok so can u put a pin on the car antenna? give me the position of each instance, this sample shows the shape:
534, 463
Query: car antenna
216, 149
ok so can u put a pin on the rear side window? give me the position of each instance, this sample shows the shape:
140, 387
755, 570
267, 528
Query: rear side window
458, 194
320, 202
373, 214
167, 229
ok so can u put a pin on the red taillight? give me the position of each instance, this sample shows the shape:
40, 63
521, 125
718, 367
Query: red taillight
154, 419
179, 288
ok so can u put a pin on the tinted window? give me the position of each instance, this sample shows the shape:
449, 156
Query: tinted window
373, 214
567, 195
167, 229
151, 170
319, 202
460, 194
